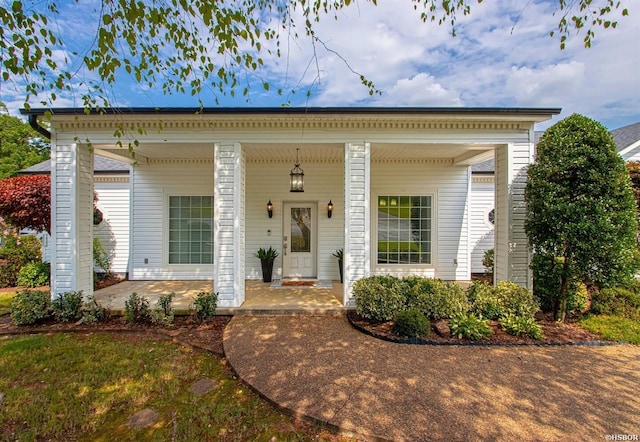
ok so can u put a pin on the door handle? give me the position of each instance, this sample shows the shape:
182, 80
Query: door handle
284, 249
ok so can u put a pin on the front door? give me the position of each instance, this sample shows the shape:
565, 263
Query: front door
299, 240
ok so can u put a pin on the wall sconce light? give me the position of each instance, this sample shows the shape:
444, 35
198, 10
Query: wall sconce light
270, 209
329, 209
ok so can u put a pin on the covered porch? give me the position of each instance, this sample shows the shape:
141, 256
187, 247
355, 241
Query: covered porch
260, 297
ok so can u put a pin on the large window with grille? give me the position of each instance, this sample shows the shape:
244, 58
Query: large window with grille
404, 229
190, 230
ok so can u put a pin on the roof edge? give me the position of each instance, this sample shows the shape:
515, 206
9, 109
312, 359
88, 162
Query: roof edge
294, 110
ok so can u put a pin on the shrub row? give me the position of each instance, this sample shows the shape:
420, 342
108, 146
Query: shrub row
30, 307
381, 297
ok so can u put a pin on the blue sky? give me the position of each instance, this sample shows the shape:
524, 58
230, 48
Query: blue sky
502, 56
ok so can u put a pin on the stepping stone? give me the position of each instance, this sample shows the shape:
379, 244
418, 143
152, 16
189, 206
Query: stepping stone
144, 419
203, 386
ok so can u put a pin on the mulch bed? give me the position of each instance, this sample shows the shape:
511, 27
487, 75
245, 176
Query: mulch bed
554, 333
205, 335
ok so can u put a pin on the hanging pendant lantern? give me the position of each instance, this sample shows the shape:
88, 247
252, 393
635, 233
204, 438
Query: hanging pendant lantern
297, 176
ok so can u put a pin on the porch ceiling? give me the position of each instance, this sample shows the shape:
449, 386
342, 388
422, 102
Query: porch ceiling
309, 152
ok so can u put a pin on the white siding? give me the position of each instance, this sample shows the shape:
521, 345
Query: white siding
482, 202
270, 181
512, 257
357, 257
151, 187
71, 219
113, 201
449, 187
229, 224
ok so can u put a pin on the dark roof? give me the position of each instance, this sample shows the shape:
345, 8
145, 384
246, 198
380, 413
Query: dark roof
297, 110
627, 135
623, 136
100, 165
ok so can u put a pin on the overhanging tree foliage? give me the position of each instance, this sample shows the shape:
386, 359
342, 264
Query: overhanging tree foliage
20, 146
25, 202
193, 46
581, 216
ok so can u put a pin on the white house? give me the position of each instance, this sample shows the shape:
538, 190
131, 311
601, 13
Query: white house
112, 187
398, 179
627, 140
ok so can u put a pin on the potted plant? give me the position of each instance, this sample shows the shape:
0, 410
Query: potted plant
267, 256
339, 254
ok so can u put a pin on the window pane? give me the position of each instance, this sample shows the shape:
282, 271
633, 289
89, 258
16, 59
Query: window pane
190, 230
404, 229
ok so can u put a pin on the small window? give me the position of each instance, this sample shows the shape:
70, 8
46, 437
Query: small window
190, 230
404, 229
491, 216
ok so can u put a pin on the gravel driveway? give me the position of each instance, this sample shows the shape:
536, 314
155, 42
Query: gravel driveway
319, 366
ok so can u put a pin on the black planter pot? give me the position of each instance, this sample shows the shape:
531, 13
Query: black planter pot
341, 271
267, 269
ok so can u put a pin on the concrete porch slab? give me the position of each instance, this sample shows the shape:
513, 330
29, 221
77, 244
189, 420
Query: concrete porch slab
260, 298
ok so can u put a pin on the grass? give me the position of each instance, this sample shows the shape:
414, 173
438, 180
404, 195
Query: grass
5, 302
615, 328
86, 387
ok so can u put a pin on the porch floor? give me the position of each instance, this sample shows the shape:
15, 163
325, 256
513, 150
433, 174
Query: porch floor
260, 297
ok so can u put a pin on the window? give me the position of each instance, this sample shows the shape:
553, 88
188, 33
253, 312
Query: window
491, 217
190, 230
404, 229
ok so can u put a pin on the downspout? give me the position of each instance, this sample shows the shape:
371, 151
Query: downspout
33, 122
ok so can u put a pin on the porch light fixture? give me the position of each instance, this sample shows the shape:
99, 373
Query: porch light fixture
297, 176
270, 209
329, 209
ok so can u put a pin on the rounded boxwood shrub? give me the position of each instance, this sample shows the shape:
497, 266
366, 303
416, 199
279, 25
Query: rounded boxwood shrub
67, 307
506, 298
411, 323
29, 307
378, 297
615, 301
34, 274
435, 298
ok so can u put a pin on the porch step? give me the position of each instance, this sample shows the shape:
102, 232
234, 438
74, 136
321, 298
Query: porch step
284, 311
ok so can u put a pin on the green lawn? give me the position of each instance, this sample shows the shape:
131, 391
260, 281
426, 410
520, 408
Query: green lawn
5, 302
86, 387
615, 328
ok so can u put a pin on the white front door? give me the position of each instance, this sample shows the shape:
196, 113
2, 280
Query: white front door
299, 240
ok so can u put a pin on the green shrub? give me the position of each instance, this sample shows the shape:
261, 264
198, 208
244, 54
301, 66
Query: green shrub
16, 253
378, 297
469, 326
520, 326
506, 298
435, 298
617, 301
412, 323
101, 257
67, 307
204, 305
484, 300
136, 309
93, 312
163, 313
488, 261
34, 274
30, 307
546, 285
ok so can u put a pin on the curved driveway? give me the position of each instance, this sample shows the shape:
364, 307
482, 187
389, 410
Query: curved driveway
320, 367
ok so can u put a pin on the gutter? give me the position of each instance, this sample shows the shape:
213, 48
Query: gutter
33, 122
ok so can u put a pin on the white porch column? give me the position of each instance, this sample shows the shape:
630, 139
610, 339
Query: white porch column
71, 219
512, 253
357, 222
229, 224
